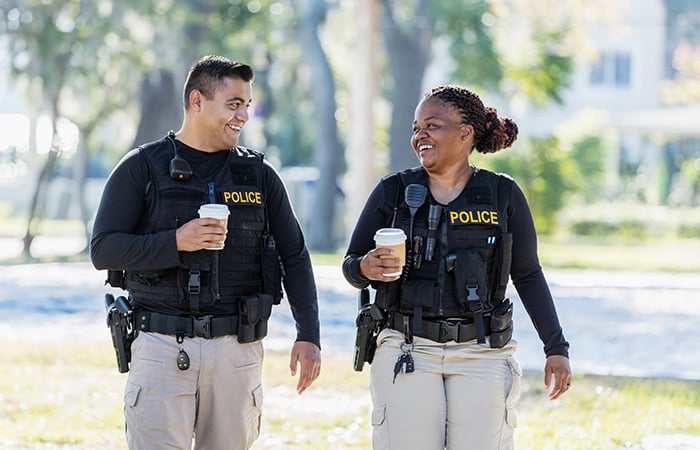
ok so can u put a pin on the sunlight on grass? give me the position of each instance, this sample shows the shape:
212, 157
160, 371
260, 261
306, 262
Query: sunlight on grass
69, 395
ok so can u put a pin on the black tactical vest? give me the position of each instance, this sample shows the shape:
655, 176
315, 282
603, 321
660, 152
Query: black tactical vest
471, 250
205, 276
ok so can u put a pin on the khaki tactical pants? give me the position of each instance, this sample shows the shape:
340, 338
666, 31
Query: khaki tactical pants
460, 396
217, 401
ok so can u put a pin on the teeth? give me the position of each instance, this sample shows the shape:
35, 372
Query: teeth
424, 147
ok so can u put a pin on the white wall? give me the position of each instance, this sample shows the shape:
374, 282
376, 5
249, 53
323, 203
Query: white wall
638, 29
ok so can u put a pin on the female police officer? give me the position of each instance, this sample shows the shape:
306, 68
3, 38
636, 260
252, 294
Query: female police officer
443, 374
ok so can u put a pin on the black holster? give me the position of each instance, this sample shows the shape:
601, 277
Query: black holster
253, 313
119, 321
369, 322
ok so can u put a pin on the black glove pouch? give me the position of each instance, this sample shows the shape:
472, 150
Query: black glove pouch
501, 324
272, 269
253, 314
470, 270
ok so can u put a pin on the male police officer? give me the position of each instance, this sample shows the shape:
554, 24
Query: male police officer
200, 314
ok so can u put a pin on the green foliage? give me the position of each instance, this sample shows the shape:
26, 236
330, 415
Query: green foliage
628, 229
543, 170
471, 46
547, 73
689, 231
587, 155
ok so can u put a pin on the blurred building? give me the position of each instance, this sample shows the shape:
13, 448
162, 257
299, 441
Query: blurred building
617, 84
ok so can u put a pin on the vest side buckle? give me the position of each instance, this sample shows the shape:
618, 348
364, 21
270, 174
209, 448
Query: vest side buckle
194, 282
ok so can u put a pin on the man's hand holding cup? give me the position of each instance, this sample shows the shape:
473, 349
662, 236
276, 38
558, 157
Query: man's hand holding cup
213, 236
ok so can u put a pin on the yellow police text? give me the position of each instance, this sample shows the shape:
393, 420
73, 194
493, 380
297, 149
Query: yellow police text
474, 217
242, 197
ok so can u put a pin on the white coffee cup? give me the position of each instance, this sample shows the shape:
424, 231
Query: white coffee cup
395, 239
215, 211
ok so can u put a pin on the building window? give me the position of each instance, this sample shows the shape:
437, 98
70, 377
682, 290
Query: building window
612, 69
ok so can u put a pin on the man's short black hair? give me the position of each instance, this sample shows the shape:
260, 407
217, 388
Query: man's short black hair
208, 73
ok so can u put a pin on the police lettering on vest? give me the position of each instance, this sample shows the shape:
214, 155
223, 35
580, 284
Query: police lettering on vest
238, 197
473, 221
174, 202
483, 217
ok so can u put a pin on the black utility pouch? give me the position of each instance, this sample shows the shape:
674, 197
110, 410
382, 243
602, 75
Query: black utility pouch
418, 292
272, 268
501, 324
387, 294
471, 278
115, 278
253, 313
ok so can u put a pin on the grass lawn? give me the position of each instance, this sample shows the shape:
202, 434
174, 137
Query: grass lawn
68, 395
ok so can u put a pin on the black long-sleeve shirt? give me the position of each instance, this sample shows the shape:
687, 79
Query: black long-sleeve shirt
115, 246
526, 272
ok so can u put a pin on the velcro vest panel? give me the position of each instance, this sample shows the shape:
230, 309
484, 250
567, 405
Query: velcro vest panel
172, 203
470, 226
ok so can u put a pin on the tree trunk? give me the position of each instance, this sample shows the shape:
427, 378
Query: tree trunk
161, 109
408, 47
327, 148
362, 172
38, 200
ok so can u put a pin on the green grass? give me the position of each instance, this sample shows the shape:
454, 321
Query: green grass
652, 256
69, 395
669, 255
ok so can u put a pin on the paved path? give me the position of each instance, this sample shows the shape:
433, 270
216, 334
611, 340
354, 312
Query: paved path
617, 323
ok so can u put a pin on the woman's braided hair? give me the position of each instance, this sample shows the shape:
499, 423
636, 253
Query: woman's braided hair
491, 131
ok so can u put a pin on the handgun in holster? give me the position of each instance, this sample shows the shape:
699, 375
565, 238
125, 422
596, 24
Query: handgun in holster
120, 323
369, 323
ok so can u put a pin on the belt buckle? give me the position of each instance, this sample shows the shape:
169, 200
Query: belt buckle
449, 331
201, 326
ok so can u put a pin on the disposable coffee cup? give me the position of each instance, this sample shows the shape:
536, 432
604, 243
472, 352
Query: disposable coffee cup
215, 211
395, 239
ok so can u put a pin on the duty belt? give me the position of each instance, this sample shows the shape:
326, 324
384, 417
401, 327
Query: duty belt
202, 326
439, 330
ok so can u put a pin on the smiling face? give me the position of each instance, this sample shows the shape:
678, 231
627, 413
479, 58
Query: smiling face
440, 139
220, 118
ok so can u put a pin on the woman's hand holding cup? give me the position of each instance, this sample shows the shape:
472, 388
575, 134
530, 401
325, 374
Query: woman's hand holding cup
386, 261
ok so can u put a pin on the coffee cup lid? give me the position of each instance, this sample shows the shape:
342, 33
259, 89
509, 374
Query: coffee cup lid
214, 210
389, 236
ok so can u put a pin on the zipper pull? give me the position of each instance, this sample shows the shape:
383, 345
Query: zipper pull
212, 197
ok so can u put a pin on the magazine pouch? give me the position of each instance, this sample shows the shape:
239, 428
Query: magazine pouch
501, 324
253, 313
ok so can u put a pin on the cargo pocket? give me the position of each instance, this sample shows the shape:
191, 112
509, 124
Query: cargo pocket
131, 394
131, 398
513, 388
380, 434
255, 415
